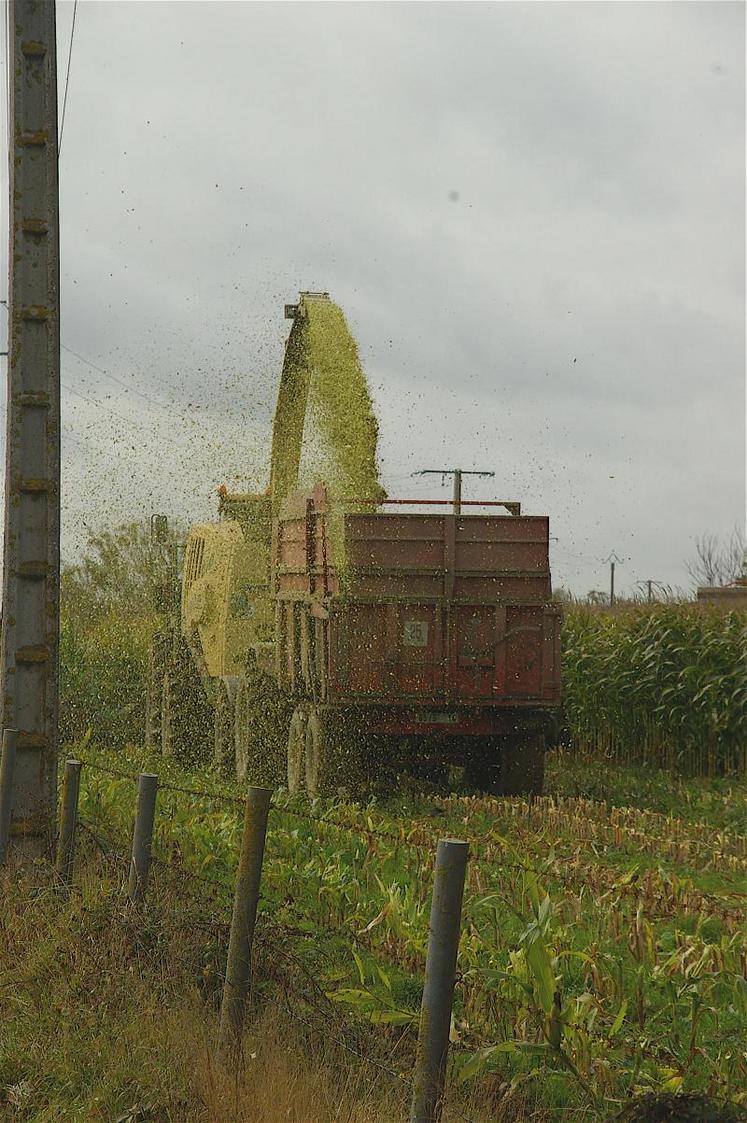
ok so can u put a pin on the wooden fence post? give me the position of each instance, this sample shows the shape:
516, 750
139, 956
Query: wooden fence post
142, 839
246, 898
440, 974
68, 820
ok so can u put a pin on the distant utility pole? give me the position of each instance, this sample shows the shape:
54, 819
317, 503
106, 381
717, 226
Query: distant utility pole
29, 648
649, 583
612, 559
457, 473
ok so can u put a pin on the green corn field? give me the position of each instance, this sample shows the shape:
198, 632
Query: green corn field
664, 685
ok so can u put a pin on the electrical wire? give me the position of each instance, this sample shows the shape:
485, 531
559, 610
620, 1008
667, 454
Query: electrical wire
188, 422
67, 80
578, 557
66, 436
100, 405
128, 420
118, 381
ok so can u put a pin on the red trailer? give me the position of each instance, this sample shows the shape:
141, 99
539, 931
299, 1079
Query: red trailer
435, 639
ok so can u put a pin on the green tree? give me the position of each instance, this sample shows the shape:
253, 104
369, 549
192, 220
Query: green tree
111, 600
125, 569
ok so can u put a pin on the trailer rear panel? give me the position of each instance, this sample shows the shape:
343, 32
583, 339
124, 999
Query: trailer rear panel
430, 609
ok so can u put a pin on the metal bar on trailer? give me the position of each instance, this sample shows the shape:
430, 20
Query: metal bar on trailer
514, 508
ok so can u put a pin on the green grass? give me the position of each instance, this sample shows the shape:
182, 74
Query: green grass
720, 801
110, 1013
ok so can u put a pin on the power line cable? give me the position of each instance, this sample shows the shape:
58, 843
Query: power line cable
118, 381
128, 420
66, 436
189, 423
67, 80
568, 559
107, 409
578, 557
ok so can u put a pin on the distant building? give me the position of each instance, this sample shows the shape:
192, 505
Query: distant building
727, 596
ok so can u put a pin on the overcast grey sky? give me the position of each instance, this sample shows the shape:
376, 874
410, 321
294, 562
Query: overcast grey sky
531, 213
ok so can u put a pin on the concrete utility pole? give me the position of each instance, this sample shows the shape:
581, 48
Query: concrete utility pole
31, 574
457, 473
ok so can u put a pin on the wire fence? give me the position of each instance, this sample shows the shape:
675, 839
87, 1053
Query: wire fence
426, 1080
330, 1023
222, 900
356, 829
487, 850
314, 996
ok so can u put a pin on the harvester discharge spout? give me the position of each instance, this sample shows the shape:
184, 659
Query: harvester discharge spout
324, 426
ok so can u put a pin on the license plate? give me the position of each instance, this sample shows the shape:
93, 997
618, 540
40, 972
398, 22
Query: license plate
438, 719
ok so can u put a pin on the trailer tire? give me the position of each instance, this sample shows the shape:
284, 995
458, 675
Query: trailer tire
186, 716
260, 724
223, 730
332, 757
482, 765
296, 750
522, 764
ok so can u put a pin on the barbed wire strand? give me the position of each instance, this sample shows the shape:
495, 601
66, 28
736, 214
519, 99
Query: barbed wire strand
481, 863
367, 1060
280, 808
476, 863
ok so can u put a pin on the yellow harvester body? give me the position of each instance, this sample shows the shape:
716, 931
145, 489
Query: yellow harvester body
225, 603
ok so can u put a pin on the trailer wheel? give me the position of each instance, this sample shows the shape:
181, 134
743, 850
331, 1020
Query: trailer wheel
332, 757
316, 754
186, 715
296, 751
522, 764
482, 765
223, 730
260, 724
